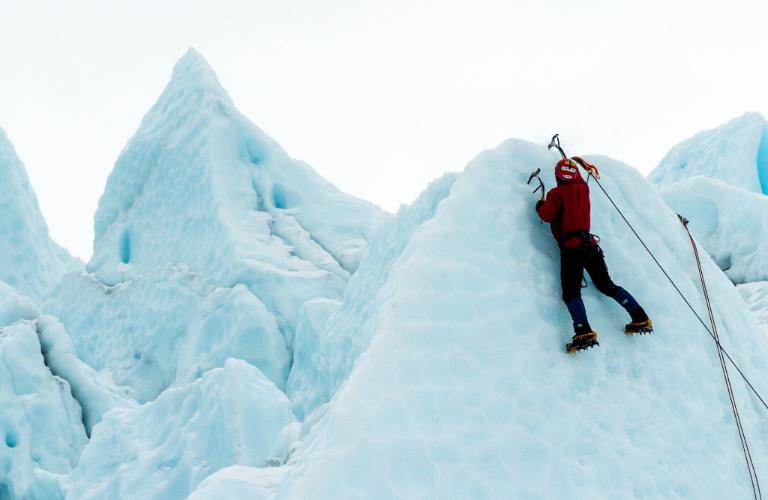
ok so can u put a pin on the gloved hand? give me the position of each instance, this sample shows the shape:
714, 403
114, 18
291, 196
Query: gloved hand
538, 204
592, 169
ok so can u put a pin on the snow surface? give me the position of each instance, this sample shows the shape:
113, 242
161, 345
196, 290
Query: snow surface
29, 260
735, 153
464, 390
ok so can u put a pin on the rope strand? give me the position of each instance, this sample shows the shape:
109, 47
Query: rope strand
722, 353
734, 408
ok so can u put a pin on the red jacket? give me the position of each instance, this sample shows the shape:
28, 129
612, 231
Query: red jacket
566, 208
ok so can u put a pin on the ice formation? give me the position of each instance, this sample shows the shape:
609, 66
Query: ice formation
30, 261
209, 239
209, 242
756, 296
167, 326
41, 429
163, 449
464, 390
245, 330
730, 223
735, 153
719, 179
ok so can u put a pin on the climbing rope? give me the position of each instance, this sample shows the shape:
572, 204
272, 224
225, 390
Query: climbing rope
722, 353
742, 436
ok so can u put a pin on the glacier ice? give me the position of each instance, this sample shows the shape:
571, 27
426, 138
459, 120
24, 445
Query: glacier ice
198, 171
464, 390
323, 362
163, 449
756, 296
41, 427
735, 153
167, 326
718, 179
730, 223
30, 261
245, 330
209, 239
209, 242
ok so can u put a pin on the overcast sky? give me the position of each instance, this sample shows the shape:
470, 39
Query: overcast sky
379, 97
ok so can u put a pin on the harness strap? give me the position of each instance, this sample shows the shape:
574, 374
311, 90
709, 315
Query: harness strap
585, 236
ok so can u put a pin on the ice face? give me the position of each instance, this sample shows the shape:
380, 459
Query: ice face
464, 390
29, 260
331, 340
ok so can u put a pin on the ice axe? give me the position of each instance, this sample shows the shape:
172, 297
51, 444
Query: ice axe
591, 169
535, 175
555, 143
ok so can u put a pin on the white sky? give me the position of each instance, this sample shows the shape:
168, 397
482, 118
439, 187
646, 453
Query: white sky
379, 97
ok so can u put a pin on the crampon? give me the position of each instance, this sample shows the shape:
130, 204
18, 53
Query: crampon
581, 342
639, 328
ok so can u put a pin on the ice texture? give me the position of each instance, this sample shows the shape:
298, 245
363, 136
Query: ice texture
730, 223
718, 180
209, 239
464, 389
30, 261
167, 326
199, 171
163, 449
245, 330
41, 427
323, 362
756, 296
735, 153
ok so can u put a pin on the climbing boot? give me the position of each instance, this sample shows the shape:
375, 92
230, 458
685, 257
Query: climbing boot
639, 327
582, 341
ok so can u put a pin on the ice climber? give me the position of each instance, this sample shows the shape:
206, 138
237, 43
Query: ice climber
566, 208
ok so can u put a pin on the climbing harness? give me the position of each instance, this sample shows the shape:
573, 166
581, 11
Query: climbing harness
722, 353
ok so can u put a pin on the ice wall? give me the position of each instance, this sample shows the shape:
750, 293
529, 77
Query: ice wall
464, 390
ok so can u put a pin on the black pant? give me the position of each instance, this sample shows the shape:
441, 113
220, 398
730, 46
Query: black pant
573, 262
